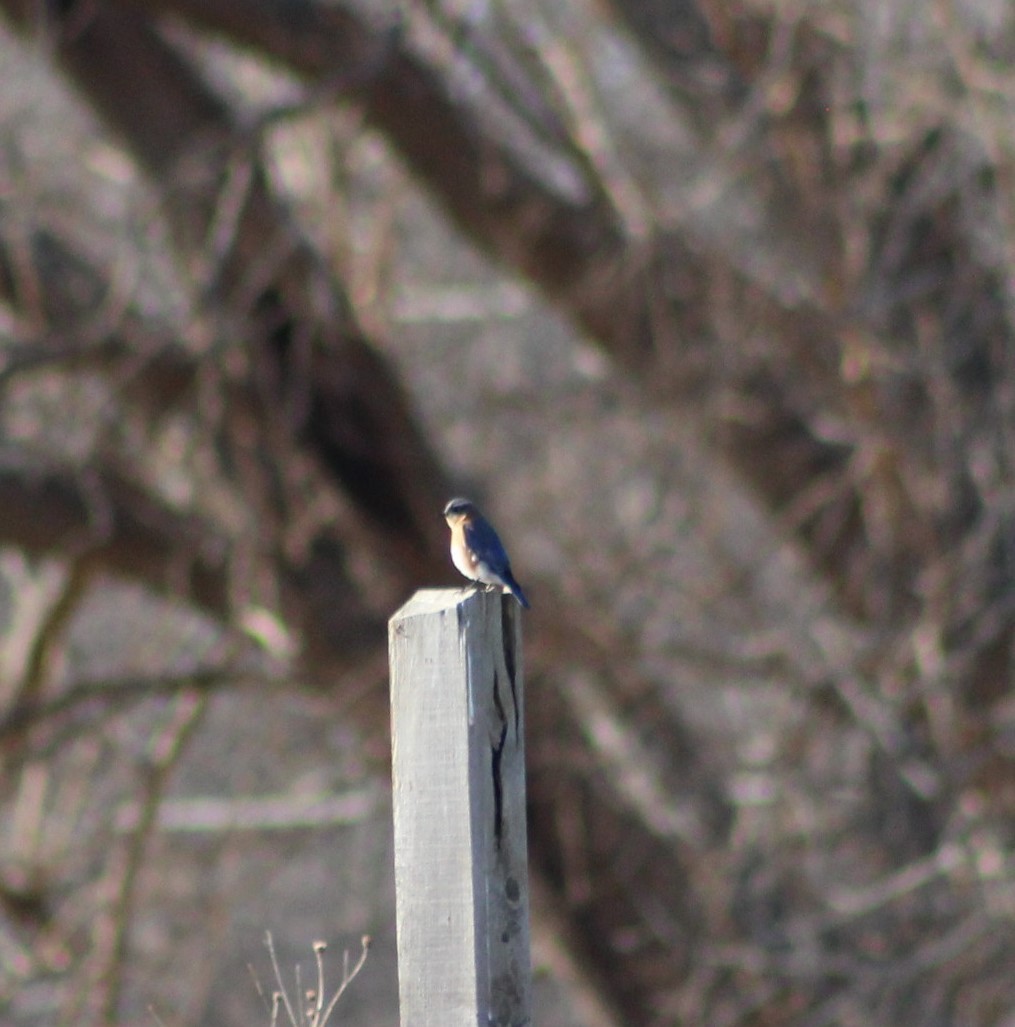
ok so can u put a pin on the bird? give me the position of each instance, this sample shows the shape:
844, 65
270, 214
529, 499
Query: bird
476, 549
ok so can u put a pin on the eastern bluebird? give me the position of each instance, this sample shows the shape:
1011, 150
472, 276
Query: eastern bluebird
476, 549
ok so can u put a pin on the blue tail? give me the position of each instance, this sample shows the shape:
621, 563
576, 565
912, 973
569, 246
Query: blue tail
515, 589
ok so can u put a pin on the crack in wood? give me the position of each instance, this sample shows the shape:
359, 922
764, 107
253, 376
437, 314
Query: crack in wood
508, 648
497, 754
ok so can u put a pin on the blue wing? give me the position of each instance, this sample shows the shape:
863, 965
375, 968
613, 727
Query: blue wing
485, 545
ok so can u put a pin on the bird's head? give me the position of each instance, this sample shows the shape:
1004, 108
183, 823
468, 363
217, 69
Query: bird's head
459, 510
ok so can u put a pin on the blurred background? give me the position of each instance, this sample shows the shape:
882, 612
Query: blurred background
709, 304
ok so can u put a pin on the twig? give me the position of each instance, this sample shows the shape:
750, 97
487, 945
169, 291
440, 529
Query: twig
280, 994
348, 976
316, 1013
116, 692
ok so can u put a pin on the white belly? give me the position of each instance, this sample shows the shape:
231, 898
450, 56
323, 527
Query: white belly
460, 558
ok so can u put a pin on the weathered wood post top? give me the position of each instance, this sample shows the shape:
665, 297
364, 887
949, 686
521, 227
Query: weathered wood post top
458, 771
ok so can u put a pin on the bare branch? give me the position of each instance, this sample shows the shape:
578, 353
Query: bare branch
103, 520
98, 1003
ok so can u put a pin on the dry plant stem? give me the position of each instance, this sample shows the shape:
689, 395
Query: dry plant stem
281, 995
318, 1014
319, 947
348, 976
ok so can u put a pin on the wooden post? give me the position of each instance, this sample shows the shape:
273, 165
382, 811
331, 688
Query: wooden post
461, 875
